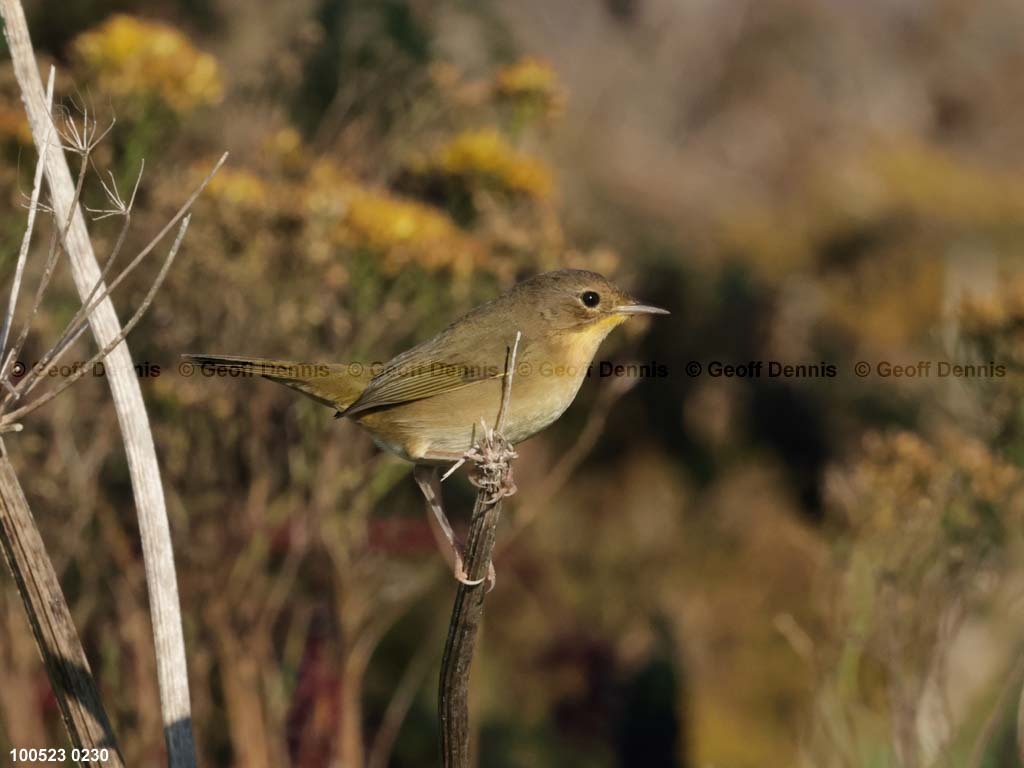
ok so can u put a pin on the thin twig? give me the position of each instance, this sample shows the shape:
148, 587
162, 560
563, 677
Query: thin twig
82, 142
68, 337
506, 387
47, 397
81, 317
56, 244
37, 185
44, 281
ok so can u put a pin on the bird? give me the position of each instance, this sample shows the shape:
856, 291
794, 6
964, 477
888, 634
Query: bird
426, 404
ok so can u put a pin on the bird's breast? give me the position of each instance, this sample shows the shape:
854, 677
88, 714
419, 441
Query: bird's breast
545, 382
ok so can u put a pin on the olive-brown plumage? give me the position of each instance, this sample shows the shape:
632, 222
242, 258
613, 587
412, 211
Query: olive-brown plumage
427, 403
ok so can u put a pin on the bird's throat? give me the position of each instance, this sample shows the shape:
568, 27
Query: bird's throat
580, 345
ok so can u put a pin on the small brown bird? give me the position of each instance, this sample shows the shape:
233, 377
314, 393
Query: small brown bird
427, 403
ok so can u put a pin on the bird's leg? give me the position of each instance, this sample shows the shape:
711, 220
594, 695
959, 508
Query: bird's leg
430, 485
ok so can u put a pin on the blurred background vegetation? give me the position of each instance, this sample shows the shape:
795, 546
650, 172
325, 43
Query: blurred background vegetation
696, 571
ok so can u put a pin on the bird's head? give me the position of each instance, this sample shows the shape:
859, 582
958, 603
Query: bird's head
575, 300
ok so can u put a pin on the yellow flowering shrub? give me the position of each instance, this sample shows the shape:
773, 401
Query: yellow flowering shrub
131, 57
926, 515
239, 187
485, 157
399, 229
994, 324
285, 147
914, 496
995, 313
530, 82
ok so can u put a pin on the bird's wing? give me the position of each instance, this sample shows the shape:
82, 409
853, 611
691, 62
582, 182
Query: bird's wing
432, 369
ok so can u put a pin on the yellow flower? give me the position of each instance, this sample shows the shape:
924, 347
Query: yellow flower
937, 485
285, 146
999, 312
398, 229
983, 314
530, 81
238, 187
130, 56
484, 156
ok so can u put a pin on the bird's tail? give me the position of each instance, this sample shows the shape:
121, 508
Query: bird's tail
336, 385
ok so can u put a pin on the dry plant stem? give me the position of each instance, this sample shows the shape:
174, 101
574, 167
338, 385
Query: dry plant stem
453, 698
77, 325
493, 475
68, 381
33, 208
55, 241
51, 262
50, 359
48, 614
154, 529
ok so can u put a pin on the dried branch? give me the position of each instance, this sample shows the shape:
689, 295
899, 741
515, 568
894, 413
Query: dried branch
51, 263
81, 142
44, 399
492, 474
48, 614
79, 322
75, 327
33, 207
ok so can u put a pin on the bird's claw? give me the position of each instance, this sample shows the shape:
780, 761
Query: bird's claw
462, 576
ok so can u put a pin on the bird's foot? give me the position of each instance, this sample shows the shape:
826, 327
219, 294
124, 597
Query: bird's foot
462, 576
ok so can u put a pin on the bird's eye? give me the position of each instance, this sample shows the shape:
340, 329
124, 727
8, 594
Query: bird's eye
590, 298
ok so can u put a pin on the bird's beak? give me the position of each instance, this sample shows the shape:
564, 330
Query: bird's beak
639, 309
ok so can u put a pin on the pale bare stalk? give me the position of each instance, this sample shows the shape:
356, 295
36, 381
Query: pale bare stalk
33, 207
73, 331
51, 263
75, 326
154, 529
68, 381
506, 389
